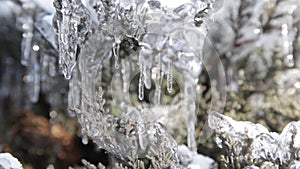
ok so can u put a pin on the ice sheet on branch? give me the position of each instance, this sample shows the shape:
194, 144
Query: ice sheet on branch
245, 143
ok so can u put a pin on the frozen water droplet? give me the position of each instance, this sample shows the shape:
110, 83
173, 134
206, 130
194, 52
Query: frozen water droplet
84, 139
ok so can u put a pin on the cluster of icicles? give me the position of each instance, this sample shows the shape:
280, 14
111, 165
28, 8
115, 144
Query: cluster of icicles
142, 38
147, 38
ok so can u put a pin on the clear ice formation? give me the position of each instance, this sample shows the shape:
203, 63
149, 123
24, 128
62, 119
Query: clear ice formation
249, 145
139, 37
155, 40
72, 24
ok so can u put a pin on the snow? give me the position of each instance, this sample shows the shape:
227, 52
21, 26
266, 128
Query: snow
7, 161
193, 160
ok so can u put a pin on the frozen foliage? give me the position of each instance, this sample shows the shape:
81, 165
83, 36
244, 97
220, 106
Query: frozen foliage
260, 36
187, 158
246, 144
7, 161
158, 38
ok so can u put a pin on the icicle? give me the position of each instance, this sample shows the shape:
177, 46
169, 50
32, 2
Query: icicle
141, 82
26, 26
126, 73
140, 136
148, 78
157, 95
65, 28
190, 108
141, 87
32, 79
25, 47
52, 66
116, 50
289, 58
158, 76
73, 24
44, 68
36, 83
170, 78
146, 55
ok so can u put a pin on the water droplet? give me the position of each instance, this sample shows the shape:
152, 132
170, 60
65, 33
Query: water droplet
84, 139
